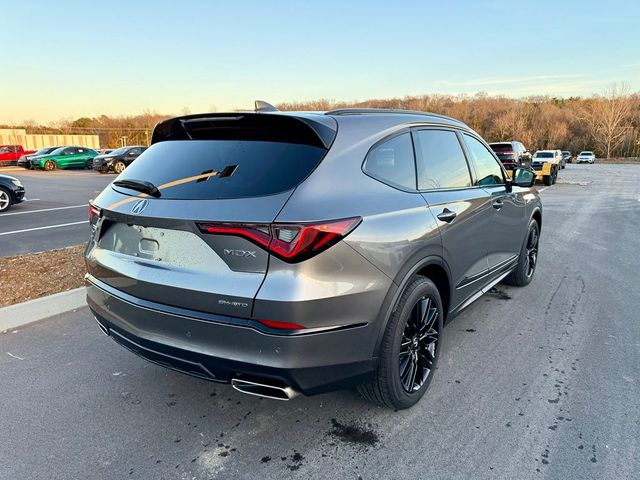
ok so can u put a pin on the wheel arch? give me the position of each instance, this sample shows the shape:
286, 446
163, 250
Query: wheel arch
433, 267
537, 216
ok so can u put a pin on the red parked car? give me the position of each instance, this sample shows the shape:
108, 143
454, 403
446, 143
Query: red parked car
9, 154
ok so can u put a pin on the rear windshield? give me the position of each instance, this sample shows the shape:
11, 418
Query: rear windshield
543, 155
118, 151
191, 169
501, 147
586, 153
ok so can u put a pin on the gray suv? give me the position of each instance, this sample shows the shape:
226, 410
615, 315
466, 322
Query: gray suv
295, 252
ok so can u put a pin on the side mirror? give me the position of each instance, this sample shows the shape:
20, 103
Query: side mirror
523, 177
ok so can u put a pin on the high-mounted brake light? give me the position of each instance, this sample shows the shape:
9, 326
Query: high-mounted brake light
94, 213
289, 242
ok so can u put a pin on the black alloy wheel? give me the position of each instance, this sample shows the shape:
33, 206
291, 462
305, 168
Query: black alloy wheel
419, 343
528, 258
410, 347
532, 251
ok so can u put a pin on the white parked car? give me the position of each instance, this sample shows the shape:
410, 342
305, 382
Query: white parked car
586, 157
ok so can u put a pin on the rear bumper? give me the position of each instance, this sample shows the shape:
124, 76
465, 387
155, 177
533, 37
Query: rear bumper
221, 348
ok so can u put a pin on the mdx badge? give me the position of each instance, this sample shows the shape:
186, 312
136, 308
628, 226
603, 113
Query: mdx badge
139, 206
240, 253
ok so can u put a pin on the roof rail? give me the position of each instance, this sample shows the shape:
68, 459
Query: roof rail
364, 111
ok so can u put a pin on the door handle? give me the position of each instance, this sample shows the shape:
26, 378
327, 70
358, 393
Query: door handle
447, 215
498, 204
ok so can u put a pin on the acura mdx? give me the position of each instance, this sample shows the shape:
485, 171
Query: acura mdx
297, 252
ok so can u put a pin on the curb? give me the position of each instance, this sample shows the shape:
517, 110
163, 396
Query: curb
40, 308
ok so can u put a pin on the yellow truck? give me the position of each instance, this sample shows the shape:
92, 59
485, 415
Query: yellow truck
547, 164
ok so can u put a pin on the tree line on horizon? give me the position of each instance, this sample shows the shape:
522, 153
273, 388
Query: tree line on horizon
608, 124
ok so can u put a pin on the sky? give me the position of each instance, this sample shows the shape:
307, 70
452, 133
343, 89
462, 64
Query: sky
66, 59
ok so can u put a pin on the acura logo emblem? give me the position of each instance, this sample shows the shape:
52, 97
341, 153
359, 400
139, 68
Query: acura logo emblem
139, 206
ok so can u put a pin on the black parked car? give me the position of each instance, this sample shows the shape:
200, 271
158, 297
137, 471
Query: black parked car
11, 191
117, 160
568, 158
511, 154
25, 160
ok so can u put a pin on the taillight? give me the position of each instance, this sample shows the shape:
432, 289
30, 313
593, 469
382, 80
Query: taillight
94, 213
287, 241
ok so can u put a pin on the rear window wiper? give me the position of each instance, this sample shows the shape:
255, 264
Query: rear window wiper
140, 186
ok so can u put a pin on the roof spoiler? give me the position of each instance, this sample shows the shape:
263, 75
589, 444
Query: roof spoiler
264, 125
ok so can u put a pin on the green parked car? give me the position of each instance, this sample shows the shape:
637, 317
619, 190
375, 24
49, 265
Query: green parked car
66, 157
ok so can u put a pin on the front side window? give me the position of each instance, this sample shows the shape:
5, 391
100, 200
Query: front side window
487, 168
440, 160
392, 162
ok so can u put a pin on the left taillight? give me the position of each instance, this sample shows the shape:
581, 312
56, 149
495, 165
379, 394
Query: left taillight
94, 213
291, 242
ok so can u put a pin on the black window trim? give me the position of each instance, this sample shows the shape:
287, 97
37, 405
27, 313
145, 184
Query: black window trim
459, 131
456, 131
472, 163
397, 133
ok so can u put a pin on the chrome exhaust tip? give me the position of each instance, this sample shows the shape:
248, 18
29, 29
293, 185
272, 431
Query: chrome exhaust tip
263, 390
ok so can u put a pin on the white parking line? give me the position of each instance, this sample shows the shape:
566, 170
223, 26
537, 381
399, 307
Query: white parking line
44, 228
30, 199
44, 210
542, 189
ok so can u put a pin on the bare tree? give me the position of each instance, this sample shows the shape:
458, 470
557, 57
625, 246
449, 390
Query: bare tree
607, 116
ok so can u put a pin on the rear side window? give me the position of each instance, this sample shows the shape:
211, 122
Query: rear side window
487, 168
193, 169
441, 163
392, 162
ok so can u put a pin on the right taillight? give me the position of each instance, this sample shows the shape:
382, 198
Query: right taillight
291, 242
94, 213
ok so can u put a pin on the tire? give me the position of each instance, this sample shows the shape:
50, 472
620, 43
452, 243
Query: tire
119, 167
528, 258
402, 349
89, 164
547, 179
554, 177
6, 200
50, 165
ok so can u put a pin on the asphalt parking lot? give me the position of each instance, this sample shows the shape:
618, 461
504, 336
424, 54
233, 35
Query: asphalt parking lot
539, 382
55, 213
